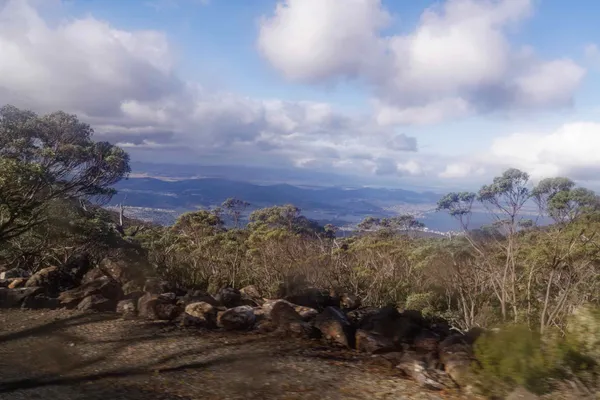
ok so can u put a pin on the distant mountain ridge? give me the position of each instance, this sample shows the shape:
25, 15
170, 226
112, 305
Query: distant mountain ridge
193, 193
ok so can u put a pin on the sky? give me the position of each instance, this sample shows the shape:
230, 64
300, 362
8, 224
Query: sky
443, 93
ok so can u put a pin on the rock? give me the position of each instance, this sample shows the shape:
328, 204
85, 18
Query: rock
306, 313
96, 302
17, 283
14, 298
135, 296
417, 369
349, 302
334, 326
251, 296
132, 287
14, 273
372, 343
229, 297
40, 302
127, 308
104, 287
198, 296
53, 279
205, 313
168, 297
77, 266
313, 298
388, 322
356, 317
285, 318
237, 318
92, 275
157, 286
456, 354
426, 341
154, 307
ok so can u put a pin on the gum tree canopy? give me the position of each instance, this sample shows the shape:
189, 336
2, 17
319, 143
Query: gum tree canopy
44, 158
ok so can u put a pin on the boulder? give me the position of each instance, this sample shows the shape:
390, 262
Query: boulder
198, 296
456, 355
388, 322
92, 275
416, 368
17, 283
204, 313
313, 298
97, 302
131, 287
373, 343
127, 308
334, 326
14, 273
53, 279
349, 302
237, 318
356, 317
285, 319
229, 297
154, 307
306, 313
40, 302
105, 287
14, 298
251, 296
426, 341
158, 286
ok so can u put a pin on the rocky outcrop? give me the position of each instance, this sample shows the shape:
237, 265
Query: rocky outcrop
237, 318
415, 367
97, 302
202, 314
229, 297
335, 327
105, 287
306, 313
456, 356
349, 302
14, 273
53, 279
251, 296
127, 308
313, 298
17, 283
369, 342
14, 298
287, 320
155, 307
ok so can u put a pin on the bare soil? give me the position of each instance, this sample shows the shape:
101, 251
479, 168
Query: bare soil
66, 355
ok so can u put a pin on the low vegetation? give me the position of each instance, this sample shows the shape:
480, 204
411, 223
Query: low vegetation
539, 286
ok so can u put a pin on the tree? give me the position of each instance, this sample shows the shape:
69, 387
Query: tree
235, 207
50, 157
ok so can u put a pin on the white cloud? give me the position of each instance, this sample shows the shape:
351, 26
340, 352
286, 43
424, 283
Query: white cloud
315, 40
457, 61
570, 150
124, 84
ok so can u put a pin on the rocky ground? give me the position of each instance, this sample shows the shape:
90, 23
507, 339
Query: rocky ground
61, 354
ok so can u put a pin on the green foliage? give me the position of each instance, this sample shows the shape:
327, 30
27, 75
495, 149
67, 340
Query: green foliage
46, 158
514, 357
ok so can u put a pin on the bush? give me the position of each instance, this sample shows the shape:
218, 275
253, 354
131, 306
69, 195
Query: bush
516, 356
513, 357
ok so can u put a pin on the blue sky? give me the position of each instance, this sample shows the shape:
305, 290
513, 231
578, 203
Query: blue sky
445, 92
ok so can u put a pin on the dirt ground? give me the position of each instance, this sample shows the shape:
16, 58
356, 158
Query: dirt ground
65, 355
